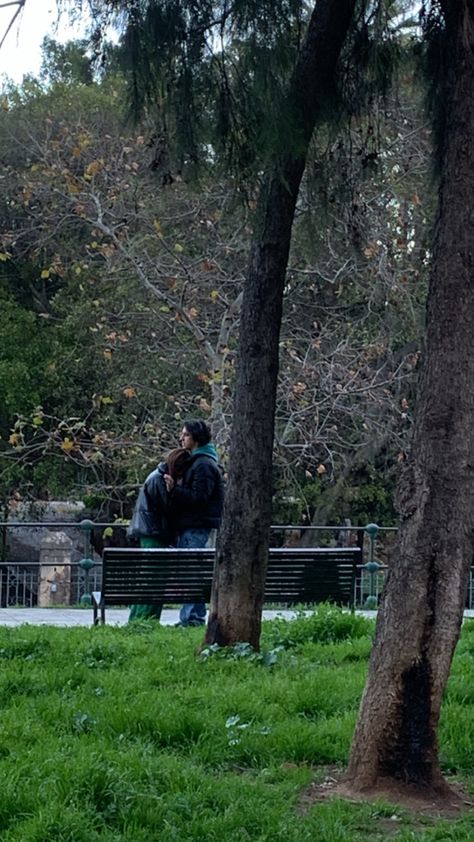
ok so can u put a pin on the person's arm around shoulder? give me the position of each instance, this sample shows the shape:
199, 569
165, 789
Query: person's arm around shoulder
199, 485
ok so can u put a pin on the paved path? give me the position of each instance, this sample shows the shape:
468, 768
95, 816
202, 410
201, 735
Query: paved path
83, 616
114, 616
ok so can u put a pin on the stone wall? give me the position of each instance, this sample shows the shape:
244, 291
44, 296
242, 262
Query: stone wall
23, 543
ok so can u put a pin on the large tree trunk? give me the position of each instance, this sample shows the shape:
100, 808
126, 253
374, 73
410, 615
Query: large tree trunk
395, 742
241, 558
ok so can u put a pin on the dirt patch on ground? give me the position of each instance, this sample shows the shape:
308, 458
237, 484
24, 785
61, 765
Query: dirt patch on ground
449, 804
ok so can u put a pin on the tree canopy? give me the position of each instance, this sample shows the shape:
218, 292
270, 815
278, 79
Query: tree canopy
107, 255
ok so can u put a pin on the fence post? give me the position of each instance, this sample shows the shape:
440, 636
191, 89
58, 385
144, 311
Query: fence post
372, 566
86, 563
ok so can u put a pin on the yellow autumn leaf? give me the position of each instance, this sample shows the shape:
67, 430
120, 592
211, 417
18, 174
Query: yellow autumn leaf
298, 388
45, 274
67, 445
84, 141
107, 249
93, 168
214, 294
4, 255
371, 250
157, 226
178, 248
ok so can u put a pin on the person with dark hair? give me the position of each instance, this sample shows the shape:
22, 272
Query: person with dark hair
197, 501
151, 521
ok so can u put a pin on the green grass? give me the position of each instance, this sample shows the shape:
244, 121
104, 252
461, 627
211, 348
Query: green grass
125, 735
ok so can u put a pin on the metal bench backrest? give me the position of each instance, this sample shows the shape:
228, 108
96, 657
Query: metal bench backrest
294, 575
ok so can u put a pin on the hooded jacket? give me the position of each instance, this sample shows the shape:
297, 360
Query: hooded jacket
198, 501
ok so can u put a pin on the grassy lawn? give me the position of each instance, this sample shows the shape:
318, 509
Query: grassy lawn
117, 734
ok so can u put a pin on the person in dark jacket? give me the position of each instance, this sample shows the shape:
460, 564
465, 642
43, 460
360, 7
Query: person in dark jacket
197, 501
151, 521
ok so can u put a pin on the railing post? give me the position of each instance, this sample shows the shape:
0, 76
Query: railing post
86, 563
372, 566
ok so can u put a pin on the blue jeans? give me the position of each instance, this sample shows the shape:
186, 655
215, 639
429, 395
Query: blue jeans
193, 613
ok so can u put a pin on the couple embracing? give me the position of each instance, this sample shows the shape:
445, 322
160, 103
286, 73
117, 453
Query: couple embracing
180, 504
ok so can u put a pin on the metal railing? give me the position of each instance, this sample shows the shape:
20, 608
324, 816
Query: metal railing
20, 580
19, 584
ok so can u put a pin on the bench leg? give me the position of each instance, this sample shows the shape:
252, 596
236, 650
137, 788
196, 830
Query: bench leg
98, 605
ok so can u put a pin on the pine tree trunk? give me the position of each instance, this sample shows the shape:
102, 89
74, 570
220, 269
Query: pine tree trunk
395, 742
241, 559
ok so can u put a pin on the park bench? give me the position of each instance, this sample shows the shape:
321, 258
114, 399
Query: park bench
157, 576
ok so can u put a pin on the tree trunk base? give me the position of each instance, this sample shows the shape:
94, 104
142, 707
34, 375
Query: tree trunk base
446, 800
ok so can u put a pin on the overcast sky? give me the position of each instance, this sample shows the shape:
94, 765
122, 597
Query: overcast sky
21, 51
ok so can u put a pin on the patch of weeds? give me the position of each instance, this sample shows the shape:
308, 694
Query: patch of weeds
101, 656
326, 624
235, 728
83, 722
25, 649
240, 652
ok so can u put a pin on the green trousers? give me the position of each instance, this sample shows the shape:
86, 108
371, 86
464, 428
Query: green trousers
146, 612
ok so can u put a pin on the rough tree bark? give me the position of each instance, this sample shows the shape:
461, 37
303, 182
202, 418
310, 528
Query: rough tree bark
395, 742
241, 558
